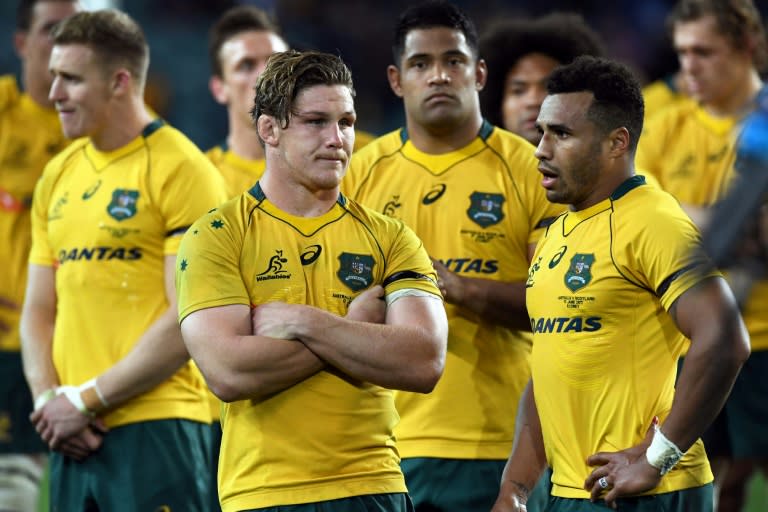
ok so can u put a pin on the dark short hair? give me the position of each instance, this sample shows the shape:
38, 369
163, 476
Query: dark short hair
618, 99
562, 36
24, 12
738, 20
242, 18
288, 73
433, 14
114, 37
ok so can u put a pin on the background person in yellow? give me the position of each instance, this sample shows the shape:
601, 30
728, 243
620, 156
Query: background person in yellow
279, 304
240, 42
471, 192
31, 135
664, 92
521, 53
721, 45
613, 284
116, 396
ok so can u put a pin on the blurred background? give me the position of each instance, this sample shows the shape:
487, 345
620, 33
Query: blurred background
359, 31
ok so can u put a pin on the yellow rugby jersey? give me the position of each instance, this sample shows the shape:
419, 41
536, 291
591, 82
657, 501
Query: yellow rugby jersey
661, 94
687, 150
363, 139
106, 221
692, 155
605, 349
239, 173
29, 136
326, 437
477, 209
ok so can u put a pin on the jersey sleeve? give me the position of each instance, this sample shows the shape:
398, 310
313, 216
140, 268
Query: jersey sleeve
9, 92
193, 188
207, 266
650, 148
664, 253
41, 252
408, 265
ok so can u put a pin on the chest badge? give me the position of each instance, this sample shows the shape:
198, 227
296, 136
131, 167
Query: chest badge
123, 205
579, 273
356, 270
485, 209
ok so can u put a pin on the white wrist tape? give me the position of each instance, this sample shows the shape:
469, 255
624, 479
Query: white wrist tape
99, 394
91, 388
663, 454
73, 395
44, 397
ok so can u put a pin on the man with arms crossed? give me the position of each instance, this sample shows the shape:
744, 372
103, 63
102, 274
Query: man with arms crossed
614, 283
100, 343
280, 306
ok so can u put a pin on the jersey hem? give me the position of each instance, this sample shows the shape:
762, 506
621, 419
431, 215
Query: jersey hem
313, 493
454, 450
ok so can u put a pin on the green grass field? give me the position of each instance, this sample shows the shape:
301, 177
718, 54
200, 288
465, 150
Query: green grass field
756, 502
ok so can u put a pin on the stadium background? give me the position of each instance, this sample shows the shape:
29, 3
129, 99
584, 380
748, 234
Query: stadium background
360, 32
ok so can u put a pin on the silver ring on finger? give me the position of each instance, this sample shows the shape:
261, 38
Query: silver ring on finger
603, 482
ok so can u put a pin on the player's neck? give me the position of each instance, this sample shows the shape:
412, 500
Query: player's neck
126, 122
244, 142
739, 102
435, 141
297, 198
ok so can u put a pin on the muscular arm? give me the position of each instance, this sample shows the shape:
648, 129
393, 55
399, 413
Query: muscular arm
157, 355
495, 301
38, 318
238, 365
406, 353
527, 460
708, 315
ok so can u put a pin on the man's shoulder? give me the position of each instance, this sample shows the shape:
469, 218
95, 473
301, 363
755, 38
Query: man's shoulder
161, 135
223, 218
674, 115
647, 207
514, 152
215, 154
370, 217
172, 149
69, 155
9, 92
384, 145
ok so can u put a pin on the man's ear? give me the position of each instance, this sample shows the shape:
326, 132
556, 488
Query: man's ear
393, 75
20, 42
268, 129
122, 81
619, 142
218, 89
481, 74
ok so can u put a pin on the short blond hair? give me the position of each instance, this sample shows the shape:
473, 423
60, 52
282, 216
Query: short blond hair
114, 37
